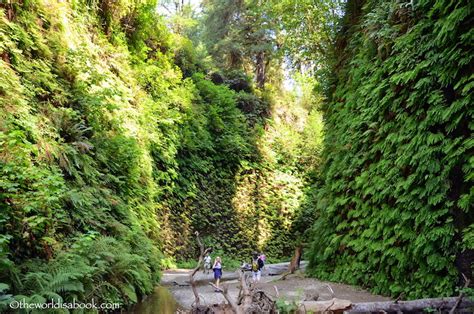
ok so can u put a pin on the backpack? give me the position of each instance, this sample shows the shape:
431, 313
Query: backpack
255, 265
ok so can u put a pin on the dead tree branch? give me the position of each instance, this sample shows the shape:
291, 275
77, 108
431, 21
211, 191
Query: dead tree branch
461, 294
226, 295
250, 300
202, 252
333, 295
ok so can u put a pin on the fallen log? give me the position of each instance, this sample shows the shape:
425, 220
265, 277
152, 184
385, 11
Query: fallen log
442, 304
331, 306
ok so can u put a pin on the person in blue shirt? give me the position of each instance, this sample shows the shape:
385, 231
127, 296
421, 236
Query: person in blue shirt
217, 268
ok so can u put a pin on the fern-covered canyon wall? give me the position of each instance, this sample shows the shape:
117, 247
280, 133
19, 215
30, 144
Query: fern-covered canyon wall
341, 127
80, 135
118, 141
395, 208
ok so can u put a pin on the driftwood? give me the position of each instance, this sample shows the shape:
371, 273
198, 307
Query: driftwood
331, 306
250, 300
443, 304
245, 295
202, 251
461, 295
262, 303
345, 306
224, 291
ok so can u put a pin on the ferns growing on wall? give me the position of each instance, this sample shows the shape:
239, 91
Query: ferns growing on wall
116, 145
396, 202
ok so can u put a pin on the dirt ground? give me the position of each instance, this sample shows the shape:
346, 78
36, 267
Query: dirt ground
293, 288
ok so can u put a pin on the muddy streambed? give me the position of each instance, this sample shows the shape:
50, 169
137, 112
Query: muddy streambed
175, 294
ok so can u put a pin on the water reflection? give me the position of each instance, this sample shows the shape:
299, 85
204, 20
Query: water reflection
160, 302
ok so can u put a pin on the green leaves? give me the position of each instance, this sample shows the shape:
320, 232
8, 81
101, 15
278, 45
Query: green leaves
74, 164
396, 174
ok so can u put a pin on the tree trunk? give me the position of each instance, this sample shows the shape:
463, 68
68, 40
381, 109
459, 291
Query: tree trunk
260, 69
296, 259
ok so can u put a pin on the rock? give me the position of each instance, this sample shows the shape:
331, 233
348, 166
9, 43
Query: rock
311, 295
217, 78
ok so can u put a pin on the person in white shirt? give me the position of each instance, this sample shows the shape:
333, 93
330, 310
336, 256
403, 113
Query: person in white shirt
207, 264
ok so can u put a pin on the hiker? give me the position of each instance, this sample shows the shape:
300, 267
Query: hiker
263, 258
207, 263
217, 268
257, 264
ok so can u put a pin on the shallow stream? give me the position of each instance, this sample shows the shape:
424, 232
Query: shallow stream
161, 301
